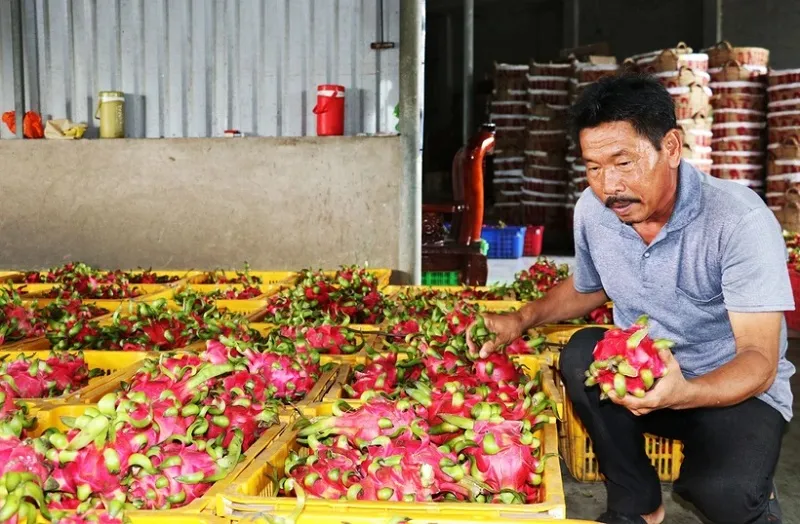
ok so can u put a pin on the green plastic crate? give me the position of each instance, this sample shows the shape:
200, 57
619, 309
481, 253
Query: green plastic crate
441, 278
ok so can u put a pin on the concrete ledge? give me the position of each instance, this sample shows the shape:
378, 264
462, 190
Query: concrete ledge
277, 203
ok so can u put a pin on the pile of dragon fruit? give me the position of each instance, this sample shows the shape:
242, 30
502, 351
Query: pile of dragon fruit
81, 280
434, 422
350, 296
427, 419
180, 423
31, 377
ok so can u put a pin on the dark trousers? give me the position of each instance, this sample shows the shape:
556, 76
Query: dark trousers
729, 453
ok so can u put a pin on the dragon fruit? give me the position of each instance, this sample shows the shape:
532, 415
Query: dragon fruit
627, 361
179, 474
31, 377
379, 375
17, 320
525, 345
376, 418
497, 368
351, 295
95, 517
542, 276
504, 455
22, 477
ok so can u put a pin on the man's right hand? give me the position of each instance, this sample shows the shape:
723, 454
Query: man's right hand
506, 327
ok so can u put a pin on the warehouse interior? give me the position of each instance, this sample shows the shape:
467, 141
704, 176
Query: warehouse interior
262, 176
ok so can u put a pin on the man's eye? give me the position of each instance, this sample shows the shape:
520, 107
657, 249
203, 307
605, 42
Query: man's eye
625, 164
594, 169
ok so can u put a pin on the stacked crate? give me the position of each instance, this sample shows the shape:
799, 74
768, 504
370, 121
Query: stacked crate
685, 76
544, 187
739, 86
586, 72
510, 113
783, 167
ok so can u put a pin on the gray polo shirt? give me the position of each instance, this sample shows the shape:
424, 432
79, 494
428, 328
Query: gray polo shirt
721, 250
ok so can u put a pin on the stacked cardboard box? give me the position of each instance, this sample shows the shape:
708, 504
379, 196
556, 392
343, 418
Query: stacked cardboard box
738, 80
783, 164
685, 75
545, 183
509, 111
587, 71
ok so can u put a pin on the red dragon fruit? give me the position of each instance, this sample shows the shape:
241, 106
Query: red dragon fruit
22, 477
179, 474
379, 375
375, 418
543, 275
525, 345
497, 368
247, 293
31, 377
505, 455
410, 470
329, 475
627, 361
17, 320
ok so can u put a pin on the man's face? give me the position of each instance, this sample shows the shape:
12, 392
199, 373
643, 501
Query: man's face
627, 173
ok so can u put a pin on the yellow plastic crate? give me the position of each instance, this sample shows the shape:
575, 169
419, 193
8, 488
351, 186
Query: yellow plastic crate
383, 276
254, 492
11, 276
108, 305
112, 363
51, 417
94, 394
498, 306
665, 454
354, 358
267, 277
38, 290
531, 366
206, 289
323, 517
178, 516
391, 291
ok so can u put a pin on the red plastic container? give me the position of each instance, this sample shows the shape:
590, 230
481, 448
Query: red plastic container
793, 317
533, 241
330, 110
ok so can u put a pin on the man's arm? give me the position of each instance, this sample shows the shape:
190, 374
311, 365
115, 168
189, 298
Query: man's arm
561, 303
750, 373
752, 370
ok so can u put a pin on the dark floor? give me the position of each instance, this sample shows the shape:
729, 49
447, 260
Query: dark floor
587, 501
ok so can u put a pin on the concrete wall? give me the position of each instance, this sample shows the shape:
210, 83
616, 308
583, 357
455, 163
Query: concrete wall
277, 203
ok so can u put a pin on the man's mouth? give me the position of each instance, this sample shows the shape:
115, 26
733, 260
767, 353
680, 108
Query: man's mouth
621, 205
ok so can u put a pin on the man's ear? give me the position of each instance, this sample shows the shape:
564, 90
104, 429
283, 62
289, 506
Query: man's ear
673, 147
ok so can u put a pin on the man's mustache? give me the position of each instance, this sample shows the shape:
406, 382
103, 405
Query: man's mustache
610, 201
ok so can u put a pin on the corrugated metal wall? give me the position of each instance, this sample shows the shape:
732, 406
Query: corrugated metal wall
193, 68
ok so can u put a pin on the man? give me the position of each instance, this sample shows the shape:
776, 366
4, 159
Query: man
705, 259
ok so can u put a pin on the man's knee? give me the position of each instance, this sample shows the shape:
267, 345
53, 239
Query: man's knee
577, 355
730, 500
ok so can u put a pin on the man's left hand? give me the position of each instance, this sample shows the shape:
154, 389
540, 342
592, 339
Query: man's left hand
669, 391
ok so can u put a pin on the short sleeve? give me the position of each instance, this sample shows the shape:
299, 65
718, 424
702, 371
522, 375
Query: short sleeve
585, 278
755, 277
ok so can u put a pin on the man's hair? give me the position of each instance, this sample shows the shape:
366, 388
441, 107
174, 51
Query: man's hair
637, 99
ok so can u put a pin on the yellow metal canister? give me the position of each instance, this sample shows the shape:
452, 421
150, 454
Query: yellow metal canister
111, 112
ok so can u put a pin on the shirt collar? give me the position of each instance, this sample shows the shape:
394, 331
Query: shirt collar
688, 204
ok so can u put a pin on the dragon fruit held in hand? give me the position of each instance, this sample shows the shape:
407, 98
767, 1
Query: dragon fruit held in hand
627, 361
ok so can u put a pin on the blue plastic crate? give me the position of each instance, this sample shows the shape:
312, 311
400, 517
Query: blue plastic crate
504, 242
